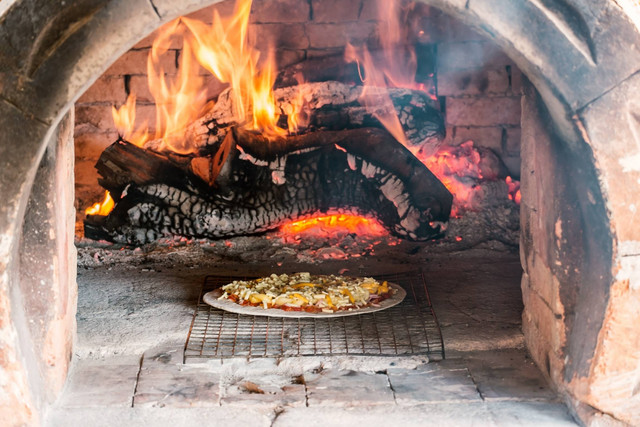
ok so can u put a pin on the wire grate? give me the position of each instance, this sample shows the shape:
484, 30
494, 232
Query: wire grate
410, 327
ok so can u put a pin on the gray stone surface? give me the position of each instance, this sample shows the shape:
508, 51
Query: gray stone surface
102, 383
258, 395
348, 389
165, 382
436, 384
449, 414
508, 375
158, 417
132, 303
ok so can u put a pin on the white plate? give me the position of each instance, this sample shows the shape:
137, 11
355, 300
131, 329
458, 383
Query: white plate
211, 298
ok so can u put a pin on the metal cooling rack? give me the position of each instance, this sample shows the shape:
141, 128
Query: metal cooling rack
408, 328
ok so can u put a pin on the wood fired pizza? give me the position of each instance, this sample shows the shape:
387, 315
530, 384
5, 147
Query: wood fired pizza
306, 295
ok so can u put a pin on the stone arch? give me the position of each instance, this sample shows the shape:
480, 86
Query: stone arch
581, 55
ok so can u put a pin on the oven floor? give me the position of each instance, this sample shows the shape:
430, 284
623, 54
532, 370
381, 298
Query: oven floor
133, 319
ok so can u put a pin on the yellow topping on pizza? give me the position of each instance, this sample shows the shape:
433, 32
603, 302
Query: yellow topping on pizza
304, 292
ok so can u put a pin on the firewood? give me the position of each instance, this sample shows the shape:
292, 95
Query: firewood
263, 184
327, 106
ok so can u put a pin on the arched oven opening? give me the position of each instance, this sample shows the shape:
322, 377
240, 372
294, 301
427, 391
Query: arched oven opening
387, 140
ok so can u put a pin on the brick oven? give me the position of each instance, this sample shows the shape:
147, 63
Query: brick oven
544, 89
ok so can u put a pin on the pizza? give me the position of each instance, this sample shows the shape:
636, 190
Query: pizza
308, 293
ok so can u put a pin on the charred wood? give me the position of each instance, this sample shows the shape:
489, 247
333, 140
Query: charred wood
257, 189
326, 106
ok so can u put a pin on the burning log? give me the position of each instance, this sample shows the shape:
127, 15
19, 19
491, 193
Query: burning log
324, 106
261, 185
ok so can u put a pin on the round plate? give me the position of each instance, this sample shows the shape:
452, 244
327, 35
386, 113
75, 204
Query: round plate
211, 298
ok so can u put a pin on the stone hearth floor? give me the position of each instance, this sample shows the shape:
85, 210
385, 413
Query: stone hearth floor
133, 319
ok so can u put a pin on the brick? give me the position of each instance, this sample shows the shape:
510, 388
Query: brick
146, 113
508, 375
502, 110
323, 36
105, 89
516, 81
280, 11
134, 62
102, 383
348, 389
89, 146
473, 82
488, 137
319, 53
470, 55
513, 164
213, 86
282, 36
93, 118
165, 382
335, 10
512, 144
290, 395
369, 10
286, 57
139, 86
433, 385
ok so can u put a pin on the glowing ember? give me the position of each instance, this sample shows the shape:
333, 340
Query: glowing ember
514, 190
458, 168
103, 208
335, 224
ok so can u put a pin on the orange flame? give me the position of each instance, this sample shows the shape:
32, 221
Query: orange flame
335, 224
395, 68
102, 208
124, 119
179, 101
297, 117
222, 49
374, 95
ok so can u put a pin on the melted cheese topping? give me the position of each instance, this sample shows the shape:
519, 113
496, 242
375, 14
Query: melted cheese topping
302, 291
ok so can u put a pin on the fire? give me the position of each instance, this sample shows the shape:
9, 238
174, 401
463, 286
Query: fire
222, 49
396, 67
514, 190
335, 224
179, 101
297, 116
458, 168
102, 208
124, 119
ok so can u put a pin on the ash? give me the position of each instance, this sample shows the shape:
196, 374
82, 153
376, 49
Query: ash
494, 225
